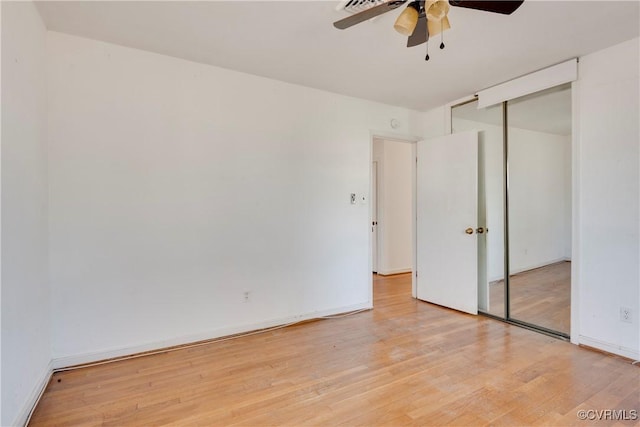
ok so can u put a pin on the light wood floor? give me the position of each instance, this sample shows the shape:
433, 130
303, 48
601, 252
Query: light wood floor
541, 296
403, 363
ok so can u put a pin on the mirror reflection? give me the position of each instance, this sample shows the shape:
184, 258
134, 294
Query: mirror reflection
539, 142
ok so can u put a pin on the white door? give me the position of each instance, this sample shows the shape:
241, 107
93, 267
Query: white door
447, 213
374, 216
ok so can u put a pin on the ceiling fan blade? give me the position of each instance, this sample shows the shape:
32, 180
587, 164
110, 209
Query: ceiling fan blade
506, 7
420, 34
365, 15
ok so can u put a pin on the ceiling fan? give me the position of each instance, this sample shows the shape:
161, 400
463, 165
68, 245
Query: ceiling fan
423, 18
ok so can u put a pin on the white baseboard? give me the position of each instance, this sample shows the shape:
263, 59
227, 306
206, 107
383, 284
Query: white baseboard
79, 359
396, 271
29, 405
620, 350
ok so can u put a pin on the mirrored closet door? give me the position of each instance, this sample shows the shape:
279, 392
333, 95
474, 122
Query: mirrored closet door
524, 194
539, 162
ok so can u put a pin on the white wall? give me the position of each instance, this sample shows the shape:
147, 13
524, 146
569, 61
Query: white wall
608, 200
26, 343
538, 194
176, 187
395, 197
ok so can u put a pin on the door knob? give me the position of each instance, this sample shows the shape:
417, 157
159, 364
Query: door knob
479, 230
469, 230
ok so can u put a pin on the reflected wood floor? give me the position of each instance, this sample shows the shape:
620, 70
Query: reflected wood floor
541, 296
404, 363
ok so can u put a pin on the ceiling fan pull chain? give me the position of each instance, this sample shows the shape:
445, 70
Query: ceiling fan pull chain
426, 58
441, 35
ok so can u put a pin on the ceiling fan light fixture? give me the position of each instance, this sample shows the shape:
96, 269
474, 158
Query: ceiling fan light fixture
436, 27
422, 19
436, 9
408, 19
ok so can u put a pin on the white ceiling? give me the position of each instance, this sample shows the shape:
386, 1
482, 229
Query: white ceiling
295, 42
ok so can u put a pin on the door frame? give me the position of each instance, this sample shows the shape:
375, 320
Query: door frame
402, 138
375, 191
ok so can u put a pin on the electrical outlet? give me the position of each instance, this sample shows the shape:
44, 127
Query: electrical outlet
626, 315
246, 296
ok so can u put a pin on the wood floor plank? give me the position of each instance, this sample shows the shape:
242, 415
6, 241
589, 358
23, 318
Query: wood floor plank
404, 363
541, 296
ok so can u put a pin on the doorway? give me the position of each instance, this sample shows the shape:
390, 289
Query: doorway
392, 205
